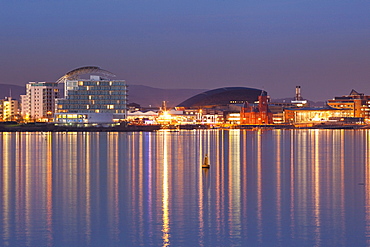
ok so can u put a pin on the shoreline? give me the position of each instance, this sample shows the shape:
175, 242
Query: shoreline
51, 127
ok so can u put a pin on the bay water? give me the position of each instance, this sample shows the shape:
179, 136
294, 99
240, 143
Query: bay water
263, 188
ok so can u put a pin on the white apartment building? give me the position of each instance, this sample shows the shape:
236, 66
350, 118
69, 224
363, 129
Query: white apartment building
94, 100
39, 102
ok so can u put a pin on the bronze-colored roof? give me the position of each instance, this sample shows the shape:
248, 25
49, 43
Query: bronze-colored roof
223, 96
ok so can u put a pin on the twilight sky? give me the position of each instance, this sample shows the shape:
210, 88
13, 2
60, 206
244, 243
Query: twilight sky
323, 46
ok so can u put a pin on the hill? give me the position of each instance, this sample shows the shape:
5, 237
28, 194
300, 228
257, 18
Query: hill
139, 94
146, 96
14, 91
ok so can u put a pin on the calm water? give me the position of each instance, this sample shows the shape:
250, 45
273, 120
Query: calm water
264, 188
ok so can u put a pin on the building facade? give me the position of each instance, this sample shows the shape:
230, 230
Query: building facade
39, 102
256, 115
92, 97
358, 103
9, 109
314, 115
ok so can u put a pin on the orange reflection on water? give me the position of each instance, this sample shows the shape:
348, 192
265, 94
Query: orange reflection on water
367, 188
316, 195
202, 193
150, 182
259, 185
133, 174
71, 182
338, 172
113, 188
165, 190
220, 181
302, 176
140, 202
317, 182
234, 182
342, 182
6, 182
292, 184
49, 188
278, 184
87, 158
28, 185
244, 186
178, 175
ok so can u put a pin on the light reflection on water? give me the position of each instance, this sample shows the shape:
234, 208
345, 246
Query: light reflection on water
264, 188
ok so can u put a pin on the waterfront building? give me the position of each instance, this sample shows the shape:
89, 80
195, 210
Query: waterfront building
219, 106
358, 103
213, 117
94, 100
233, 118
142, 118
38, 104
315, 115
9, 109
256, 115
207, 116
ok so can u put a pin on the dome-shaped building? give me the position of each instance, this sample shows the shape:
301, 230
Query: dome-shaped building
223, 97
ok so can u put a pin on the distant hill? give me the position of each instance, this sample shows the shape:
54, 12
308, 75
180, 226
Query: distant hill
142, 95
145, 96
14, 90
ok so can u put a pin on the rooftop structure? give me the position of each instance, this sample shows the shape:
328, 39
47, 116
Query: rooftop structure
76, 73
223, 97
298, 93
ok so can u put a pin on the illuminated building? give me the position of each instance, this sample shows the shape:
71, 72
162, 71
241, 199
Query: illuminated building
94, 100
9, 109
256, 114
39, 102
233, 118
314, 115
215, 117
218, 106
139, 117
192, 116
358, 103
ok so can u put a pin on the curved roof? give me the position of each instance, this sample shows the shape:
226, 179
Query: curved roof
75, 73
223, 96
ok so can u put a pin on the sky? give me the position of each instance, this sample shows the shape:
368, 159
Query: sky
322, 46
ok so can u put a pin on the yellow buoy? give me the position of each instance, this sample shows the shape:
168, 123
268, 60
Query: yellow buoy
205, 162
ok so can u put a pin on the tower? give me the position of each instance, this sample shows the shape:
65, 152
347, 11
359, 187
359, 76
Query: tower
298, 96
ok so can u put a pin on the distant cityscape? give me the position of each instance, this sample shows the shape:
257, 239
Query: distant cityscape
102, 101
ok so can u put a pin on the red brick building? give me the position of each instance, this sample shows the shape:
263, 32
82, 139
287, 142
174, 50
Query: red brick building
257, 115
